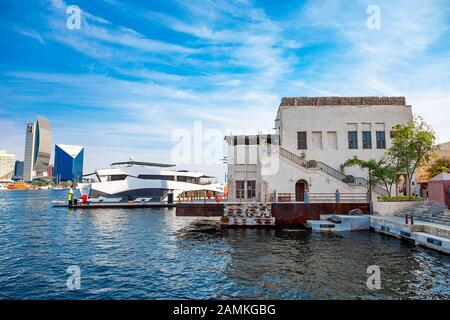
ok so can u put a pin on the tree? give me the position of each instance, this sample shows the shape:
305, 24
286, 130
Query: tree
438, 166
413, 145
379, 171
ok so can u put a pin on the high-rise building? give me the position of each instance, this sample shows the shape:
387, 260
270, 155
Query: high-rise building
68, 163
29, 152
50, 170
6, 165
18, 170
38, 149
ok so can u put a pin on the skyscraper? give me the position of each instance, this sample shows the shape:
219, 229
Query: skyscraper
38, 149
29, 152
68, 162
18, 170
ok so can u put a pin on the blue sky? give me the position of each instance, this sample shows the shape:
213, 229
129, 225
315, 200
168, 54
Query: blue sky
138, 70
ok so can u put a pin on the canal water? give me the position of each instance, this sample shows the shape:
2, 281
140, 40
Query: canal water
152, 254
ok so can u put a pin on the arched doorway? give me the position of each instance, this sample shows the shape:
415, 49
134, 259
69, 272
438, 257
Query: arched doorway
300, 187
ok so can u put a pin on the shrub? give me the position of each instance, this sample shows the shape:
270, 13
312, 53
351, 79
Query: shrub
399, 198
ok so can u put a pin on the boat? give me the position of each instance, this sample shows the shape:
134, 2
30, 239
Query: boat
157, 182
59, 203
18, 186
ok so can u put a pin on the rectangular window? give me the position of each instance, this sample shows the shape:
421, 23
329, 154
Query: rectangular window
367, 139
301, 140
353, 140
317, 140
332, 140
381, 140
251, 189
240, 189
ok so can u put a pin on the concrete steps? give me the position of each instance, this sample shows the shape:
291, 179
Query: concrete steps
435, 213
338, 223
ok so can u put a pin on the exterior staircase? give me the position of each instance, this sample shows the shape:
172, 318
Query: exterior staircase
435, 213
317, 165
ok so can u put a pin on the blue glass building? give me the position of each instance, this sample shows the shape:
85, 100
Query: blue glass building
68, 163
18, 170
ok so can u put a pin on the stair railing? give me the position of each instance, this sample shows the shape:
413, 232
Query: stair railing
356, 181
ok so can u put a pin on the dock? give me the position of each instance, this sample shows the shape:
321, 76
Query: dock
121, 205
279, 214
424, 233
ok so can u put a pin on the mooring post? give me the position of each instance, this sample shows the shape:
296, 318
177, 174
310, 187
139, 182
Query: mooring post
306, 197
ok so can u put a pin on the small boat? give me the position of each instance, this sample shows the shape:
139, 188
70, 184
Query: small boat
44, 188
59, 203
18, 186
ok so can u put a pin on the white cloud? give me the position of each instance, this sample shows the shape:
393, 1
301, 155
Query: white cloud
30, 33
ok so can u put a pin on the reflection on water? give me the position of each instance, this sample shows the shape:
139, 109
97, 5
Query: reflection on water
151, 254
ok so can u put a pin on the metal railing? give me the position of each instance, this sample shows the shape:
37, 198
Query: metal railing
353, 181
293, 157
331, 197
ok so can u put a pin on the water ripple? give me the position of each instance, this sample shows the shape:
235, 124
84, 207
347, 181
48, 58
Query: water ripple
151, 254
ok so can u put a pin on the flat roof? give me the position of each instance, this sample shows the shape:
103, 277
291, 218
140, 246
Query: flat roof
342, 101
141, 163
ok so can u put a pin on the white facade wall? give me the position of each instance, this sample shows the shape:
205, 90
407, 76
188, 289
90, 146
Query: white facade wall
326, 128
333, 124
7, 162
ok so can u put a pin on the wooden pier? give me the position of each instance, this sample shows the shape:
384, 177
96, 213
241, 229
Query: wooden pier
120, 205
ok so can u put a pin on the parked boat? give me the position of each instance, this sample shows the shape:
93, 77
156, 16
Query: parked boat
18, 186
133, 179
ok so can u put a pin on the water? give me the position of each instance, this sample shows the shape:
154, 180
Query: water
152, 254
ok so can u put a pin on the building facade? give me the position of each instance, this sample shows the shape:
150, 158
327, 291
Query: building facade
38, 149
7, 162
313, 138
18, 170
68, 163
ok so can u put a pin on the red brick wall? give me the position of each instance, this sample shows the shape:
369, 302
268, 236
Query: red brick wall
296, 214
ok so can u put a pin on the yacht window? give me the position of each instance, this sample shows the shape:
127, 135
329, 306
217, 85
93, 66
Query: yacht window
155, 177
117, 177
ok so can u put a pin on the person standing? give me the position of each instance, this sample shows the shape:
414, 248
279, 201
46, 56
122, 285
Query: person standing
70, 197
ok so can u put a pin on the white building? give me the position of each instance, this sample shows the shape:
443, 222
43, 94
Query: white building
7, 162
38, 143
313, 137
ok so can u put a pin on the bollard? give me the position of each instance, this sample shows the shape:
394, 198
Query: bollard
406, 219
412, 220
338, 196
306, 197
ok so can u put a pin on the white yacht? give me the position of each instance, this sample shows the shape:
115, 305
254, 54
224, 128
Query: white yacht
132, 180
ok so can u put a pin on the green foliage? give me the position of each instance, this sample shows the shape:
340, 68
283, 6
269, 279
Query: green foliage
399, 198
438, 166
413, 145
379, 171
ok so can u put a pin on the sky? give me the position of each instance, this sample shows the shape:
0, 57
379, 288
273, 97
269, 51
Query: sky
136, 71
